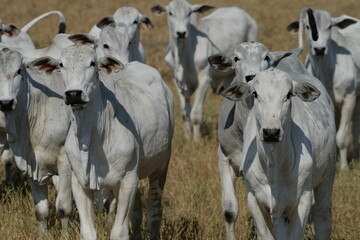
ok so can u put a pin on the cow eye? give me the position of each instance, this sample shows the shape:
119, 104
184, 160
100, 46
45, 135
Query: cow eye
267, 58
170, 13
136, 22
61, 65
189, 14
92, 64
18, 71
106, 46
289, 95
255, 95
307, 27
330, 27
236, 59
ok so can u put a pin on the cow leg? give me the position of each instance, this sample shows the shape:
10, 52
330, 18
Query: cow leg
7, 157
321, 209
229, 202
356, 129
64, 197
198, 106
262, 224
154, 205
299, 220
40, 197
342, 139
136, 217
125, 201
84, 203
185, 111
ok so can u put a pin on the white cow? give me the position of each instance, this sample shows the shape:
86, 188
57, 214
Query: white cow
121, 131
289, 154
191, 40
12, 36
333, 62
132, 19
248, 60
37, 122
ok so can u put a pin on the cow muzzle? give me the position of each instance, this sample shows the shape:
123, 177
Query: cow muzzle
271, 135
7, 105
181, 35
320, 51
74, 98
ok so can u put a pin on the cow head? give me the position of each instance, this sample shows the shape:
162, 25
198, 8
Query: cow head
272, 91
78, 65
10, 78
179, 15
318, 27
132, 19
248, 60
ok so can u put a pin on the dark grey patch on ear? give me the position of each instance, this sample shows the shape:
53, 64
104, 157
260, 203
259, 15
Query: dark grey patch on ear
345, 23
204, 8
105, 21
293, 27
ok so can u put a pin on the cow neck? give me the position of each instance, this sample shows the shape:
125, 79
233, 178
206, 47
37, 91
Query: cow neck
17, 125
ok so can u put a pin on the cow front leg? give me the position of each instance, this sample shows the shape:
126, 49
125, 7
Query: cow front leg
40, 197
84, 203
184, 99
136, 217
125, 202
229, 203
342, 139
64, 196
356, 129
196, 114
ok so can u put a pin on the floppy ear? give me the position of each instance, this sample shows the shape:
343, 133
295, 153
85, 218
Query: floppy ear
306, 92
83, 39
44, 64
197, 8
146, 22
11, 30
343, 21
109, 64
237, 91
293, 27
105, 21
220, 62
158, 10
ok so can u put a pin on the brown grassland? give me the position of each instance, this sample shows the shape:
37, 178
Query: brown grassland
192, 192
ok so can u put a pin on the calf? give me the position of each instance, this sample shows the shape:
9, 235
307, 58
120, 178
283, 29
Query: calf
121, 131
289, 154
191, 40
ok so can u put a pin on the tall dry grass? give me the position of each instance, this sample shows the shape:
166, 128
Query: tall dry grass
192, 192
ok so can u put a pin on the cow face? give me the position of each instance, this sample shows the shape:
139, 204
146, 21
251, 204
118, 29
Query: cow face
114, 41
132, 19
272, 91
10, 78
318, 28
179, 16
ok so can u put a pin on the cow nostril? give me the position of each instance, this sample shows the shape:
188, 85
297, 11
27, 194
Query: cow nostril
73, 93
6, 105
320, 51
248, 78
181, 34
271, 134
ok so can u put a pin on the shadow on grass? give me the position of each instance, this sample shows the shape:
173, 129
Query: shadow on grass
181, 228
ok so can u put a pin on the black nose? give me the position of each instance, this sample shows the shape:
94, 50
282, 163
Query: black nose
271, 134
320, 51
73, 97
6, 105
181, 34
248, 78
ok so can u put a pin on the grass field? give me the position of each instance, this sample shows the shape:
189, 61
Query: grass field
192, 192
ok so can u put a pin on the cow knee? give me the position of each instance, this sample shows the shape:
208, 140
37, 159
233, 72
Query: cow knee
42, 211
63, 208
230, 216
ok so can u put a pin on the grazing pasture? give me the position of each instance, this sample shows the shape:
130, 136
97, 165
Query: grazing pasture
192, 192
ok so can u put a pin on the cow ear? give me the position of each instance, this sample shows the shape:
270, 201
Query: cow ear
105, 21
83, 39
200, 8
343, 21
220, 62
158, 10
276, 57
44, 64
293, 27
237, 91
109, 64
11, 30
306, 92
146, 22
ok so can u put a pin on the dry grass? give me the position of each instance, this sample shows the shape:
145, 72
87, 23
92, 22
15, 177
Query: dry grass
192, 192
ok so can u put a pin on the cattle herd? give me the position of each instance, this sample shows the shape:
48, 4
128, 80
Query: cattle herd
88, 113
